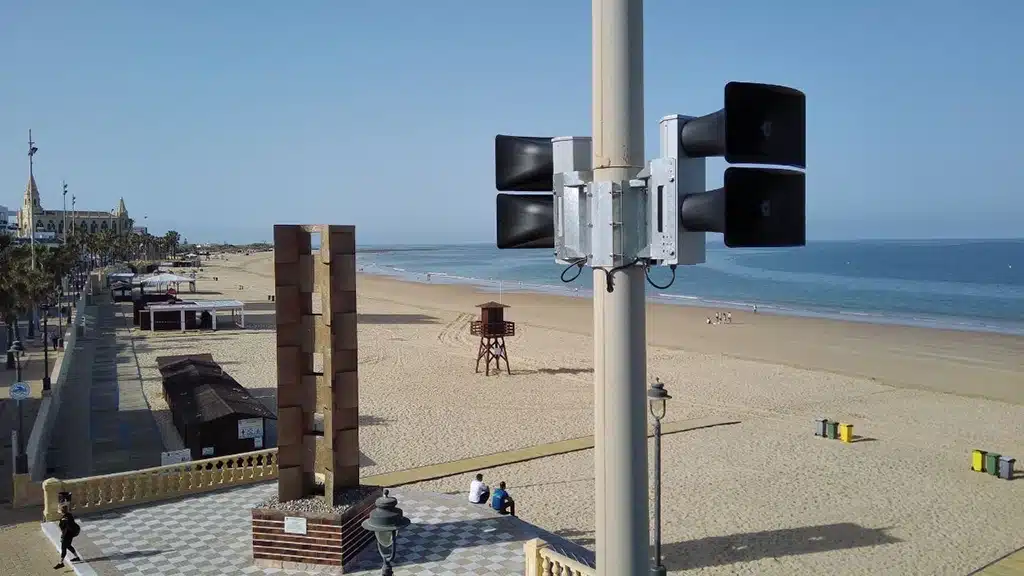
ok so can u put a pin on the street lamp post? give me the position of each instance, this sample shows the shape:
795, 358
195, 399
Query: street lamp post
46, 347
60, 315
21, 462
64, 212
31, 198
657, 398
385, 521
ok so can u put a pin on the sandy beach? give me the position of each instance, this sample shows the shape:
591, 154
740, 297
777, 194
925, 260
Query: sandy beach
763, 496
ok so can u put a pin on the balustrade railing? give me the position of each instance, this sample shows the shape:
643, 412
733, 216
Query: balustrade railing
543, 561
98, 493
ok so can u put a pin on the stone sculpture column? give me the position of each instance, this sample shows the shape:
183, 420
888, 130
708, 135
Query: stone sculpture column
318, 406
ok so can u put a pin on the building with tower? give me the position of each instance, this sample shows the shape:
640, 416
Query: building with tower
52, 222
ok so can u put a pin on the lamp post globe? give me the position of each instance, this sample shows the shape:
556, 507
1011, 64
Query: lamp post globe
385, 520
657, 400
17, 349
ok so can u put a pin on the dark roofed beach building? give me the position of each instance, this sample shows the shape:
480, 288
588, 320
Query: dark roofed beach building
214, 414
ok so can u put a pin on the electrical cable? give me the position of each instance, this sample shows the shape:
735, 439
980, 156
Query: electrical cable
579, 270
609, 281
647, 273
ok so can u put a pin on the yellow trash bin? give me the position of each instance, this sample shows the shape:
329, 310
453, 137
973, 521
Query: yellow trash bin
978, 460
846, 433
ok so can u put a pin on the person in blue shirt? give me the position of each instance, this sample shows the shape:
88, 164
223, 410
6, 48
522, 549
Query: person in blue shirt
502, 501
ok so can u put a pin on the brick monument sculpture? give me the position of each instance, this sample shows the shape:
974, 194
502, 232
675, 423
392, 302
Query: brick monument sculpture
317, 404
303, 331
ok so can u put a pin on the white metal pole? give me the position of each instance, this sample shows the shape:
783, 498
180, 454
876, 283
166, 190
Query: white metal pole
620, 363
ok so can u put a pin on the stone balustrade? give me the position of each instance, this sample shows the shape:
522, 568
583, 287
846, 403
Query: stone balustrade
98, 493
541, 560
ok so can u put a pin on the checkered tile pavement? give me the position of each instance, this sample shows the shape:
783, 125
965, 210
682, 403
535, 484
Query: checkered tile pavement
211, 535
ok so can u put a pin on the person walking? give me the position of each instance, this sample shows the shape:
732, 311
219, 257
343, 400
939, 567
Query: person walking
69, 529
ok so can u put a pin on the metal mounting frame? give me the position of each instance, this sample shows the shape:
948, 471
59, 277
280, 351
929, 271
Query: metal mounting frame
572, 217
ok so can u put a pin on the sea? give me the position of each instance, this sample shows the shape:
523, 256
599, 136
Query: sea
973, 285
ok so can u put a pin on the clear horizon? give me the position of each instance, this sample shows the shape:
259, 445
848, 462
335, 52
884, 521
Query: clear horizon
219, 120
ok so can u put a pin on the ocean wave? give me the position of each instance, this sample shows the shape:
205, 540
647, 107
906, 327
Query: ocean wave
917, 320
728, 265
491, 284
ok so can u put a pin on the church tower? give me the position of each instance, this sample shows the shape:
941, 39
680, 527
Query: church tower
121, 218
31, 207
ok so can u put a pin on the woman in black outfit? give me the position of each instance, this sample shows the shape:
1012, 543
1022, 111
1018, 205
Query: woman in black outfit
68, 530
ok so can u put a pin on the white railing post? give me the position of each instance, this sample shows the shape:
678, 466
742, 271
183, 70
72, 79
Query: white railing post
532, 548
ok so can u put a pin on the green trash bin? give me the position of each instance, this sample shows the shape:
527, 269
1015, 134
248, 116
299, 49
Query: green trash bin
992, 463
832, 430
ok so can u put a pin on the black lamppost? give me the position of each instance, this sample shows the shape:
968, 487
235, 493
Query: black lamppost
21, 462
385, 521
657, 398
59, 341
46, 347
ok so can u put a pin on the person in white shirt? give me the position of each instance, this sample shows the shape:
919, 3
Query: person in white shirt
479, 493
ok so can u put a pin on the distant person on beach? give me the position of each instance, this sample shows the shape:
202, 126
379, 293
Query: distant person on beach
68, 530
503, 502
478, 491
708, 319
728, 317
755, 308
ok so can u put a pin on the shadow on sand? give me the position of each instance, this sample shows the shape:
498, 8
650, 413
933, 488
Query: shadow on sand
553, 371
751, 546
748, 547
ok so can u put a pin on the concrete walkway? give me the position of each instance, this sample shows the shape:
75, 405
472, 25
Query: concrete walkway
105, 424
1011, 565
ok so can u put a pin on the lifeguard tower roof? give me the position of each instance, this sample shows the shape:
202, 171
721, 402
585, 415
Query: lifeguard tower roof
492, 304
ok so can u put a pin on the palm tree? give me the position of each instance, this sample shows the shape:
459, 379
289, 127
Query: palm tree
22, 286
9, 267
173, 240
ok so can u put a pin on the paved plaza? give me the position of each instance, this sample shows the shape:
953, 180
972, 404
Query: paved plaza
211, 535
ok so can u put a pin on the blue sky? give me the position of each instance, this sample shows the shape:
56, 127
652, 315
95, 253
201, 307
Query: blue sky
221, 118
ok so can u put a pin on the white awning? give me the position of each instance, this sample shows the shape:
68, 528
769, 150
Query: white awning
165, 279
197, 305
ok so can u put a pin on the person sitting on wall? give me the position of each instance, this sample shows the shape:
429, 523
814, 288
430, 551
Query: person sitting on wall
478, 491
503, 502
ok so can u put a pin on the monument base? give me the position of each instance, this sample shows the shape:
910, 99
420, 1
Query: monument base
309, 535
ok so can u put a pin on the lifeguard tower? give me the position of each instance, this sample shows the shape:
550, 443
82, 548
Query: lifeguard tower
492, 328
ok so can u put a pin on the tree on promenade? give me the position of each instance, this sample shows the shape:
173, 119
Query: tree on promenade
172, 240
24, 288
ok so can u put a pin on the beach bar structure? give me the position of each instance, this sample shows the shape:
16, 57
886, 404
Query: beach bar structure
492, 328
214, 414
187, 312
114, 277
165, 280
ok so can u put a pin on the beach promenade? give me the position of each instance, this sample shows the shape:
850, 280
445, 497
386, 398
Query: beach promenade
105, 425
761, 496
